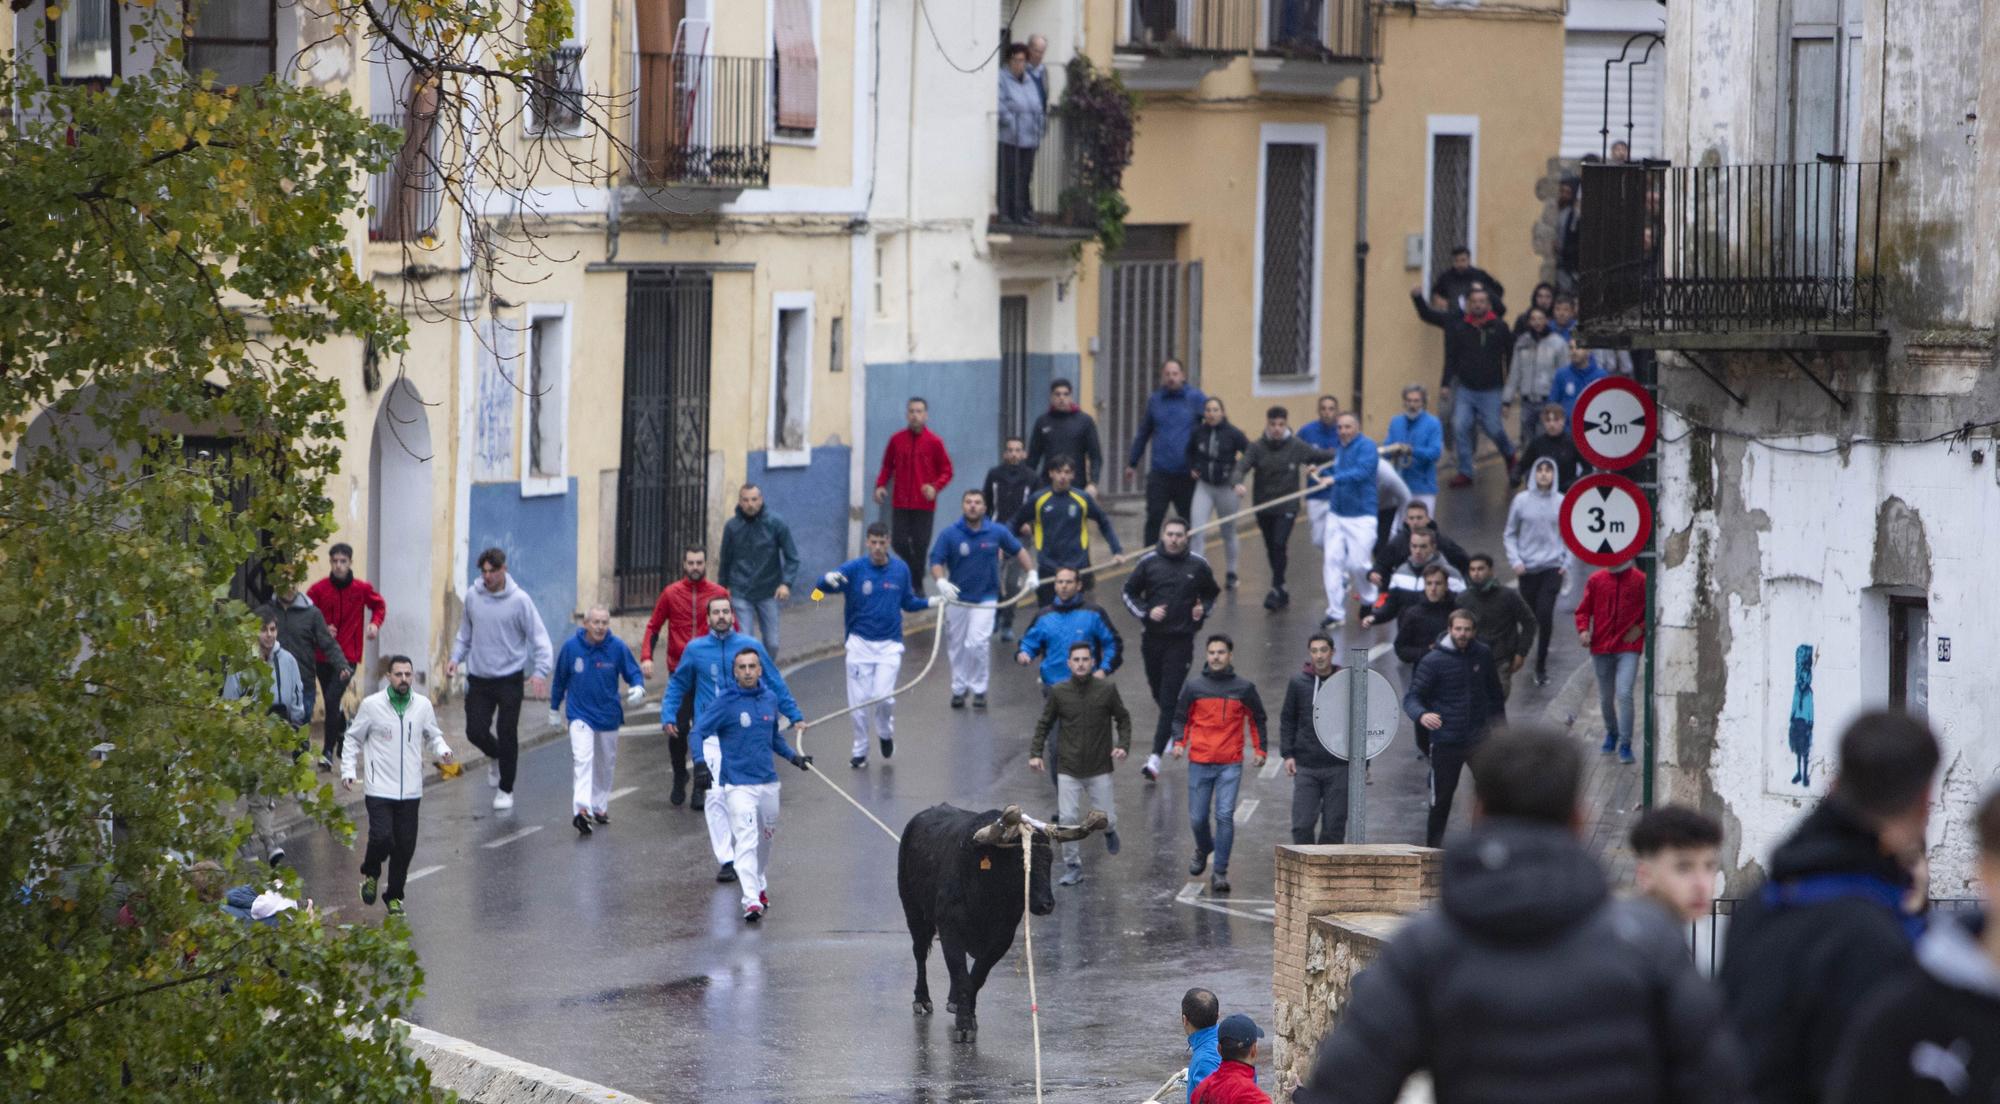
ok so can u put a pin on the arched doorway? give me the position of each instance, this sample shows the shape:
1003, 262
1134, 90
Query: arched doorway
399, 527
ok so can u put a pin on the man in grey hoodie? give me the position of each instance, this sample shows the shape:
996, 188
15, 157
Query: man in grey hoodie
501, 641
1535, 550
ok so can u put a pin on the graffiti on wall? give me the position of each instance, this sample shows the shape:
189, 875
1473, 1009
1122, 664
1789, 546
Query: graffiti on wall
1799, 732
493, 403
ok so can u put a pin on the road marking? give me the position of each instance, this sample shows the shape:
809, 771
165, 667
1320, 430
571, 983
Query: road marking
424, 873
616, 794
1244, 809
1191, 894
520, 835
1271, 769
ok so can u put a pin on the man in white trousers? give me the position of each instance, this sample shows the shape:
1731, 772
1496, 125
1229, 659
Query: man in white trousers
878, 588
738, 734
586, 678
705, 670
965, 561
1323, 432
1348, 536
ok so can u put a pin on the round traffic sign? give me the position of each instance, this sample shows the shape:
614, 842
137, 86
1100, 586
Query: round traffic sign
1330, 707
1615, 423
1605, 519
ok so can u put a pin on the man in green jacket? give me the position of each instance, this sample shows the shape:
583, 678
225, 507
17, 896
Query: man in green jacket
1506, 623
758, 565
1087, 706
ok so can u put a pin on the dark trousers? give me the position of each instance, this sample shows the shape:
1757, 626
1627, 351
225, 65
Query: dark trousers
1446, 761
677, 744
1163, 488
484, 697
1540, 588
1319, 804
910, 538
330, 690
1167, 661
1277, 528
1017, 174
392, 834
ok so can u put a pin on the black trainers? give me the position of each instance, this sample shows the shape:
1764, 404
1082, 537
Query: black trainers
679, 795
888, 747
581, 823
1230, 581
1111, 841
325, 764
1219, 883
958, 701
978, 701
753, 913
857, 762
367, 891
726, 872
1199, 864
601, 818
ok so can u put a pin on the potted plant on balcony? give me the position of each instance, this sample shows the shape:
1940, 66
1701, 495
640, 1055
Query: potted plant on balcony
1100, 118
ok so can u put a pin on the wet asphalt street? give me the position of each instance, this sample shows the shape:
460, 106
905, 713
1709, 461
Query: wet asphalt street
618, 958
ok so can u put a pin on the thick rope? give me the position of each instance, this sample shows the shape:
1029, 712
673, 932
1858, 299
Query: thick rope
1028, 951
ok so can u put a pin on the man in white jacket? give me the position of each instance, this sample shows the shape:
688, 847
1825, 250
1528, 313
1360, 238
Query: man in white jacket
392, 728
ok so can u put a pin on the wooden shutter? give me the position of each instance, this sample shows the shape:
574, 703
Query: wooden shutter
798, 65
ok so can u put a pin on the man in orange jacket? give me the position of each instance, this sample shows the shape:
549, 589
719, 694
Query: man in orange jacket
682, 609
1611, 620
1208, 728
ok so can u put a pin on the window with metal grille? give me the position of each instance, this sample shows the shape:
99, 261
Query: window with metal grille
555, 99
236, 39
1014, 398
1284, 327
1451, 198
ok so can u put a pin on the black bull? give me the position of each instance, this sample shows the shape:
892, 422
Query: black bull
959, 874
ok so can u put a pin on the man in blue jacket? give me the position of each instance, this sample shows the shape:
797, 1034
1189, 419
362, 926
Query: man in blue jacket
1582, 370
1323, 432
1171, 414
1348, 544
705, 670
965, 560
738, 734
1422, 436
878, 589
586, 676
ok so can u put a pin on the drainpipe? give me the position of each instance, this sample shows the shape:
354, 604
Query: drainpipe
1365, 88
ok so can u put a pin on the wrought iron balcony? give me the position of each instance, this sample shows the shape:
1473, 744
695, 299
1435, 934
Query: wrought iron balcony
1175, 28
1039, 187
1779, 256
704, 121
1320, 30
404, 199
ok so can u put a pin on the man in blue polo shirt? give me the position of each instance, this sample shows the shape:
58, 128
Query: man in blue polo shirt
965, 561
1322, 432
878, 589
1350, 524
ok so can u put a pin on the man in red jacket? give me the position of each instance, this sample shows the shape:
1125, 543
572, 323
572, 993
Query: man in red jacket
355, 611
917, 462
1235, 1080
683, 609
1612, 622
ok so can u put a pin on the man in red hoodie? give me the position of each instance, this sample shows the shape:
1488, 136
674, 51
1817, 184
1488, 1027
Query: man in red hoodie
355, 611
1612, 622
1235, 1080
682, 609
917, 462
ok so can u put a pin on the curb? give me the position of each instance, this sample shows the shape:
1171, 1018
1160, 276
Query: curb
483, 1076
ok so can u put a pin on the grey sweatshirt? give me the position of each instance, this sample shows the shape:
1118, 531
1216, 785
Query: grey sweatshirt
1534, 526
502, 634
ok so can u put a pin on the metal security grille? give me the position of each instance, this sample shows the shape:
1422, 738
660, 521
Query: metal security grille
1014, 397
663, 463
1151, 311
1284, 325
1451, 197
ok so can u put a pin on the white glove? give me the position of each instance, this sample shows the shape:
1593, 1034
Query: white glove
935, 600
947, 588
1033, 581
834, 579
555, 719
634, 693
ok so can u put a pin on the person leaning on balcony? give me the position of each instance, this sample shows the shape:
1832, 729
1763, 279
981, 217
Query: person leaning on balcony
1021, 125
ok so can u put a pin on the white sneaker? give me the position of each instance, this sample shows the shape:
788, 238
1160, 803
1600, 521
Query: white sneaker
493, 775
502, 799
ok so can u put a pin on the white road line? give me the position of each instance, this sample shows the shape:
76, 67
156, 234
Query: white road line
1245, 808
1271, 769
424, 873
616, 794
1188, 893
520, 835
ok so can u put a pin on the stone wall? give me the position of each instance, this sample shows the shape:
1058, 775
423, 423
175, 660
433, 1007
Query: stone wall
481, 1076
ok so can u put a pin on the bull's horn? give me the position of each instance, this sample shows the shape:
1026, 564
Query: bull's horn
1095, 822
1002, 831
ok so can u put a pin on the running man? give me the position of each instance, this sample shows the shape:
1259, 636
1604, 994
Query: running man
1348, 546
391, 729
965, 560
878, 590
587, 673
738, 734
1055, 519
501, 643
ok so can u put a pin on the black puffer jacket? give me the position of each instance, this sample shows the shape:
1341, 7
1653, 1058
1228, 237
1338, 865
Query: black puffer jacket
1795, 975
1462, 687
1070, 433
1212, 451
1530, 985
1298, 737
1948, 1009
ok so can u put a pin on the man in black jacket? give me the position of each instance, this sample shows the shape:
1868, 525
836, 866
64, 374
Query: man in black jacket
1396, 551
1807, 948
1454, 693
1458, 281
1530, 983
1477, 346
1272, 462
1065, 430
1555, 443
1006, 488
1319, 777
1506, 624
1170, 591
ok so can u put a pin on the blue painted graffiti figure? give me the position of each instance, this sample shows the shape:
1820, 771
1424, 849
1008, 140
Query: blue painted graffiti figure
1800, 736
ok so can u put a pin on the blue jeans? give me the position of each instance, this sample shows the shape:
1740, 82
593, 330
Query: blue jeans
1615, 675
1467, 404
765, 613
1219, 781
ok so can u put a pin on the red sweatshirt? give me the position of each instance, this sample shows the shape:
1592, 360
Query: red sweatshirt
915, 461
1231, 1083
342, 607
683, 609
1613, 603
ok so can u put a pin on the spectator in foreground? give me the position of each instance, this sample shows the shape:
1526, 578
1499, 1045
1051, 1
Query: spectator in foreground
1808, 948
1235, 1080
1679, 852
1529, 982
1199, 1012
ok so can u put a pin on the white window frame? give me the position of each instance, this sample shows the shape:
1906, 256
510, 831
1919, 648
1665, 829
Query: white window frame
532, 485
532, 127
771, 101
1460, 125
1293, 134
775, 457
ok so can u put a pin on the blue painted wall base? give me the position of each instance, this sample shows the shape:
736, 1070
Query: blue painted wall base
539, 536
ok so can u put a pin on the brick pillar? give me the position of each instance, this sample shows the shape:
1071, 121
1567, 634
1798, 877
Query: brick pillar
1316, 879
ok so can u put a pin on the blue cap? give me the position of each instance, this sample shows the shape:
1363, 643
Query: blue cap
1238, 1028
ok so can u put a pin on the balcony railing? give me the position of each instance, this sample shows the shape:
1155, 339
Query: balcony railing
704, 120
1327, 29
1732, 249
1176, 27
1039, 182
404, 199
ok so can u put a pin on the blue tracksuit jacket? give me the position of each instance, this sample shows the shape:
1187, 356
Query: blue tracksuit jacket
1425, 436
1353, 471
586, 676
1061, 625
709, 664
1322, 437
1170, 418
1569, 384
745, 724
971, 558
877, 597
